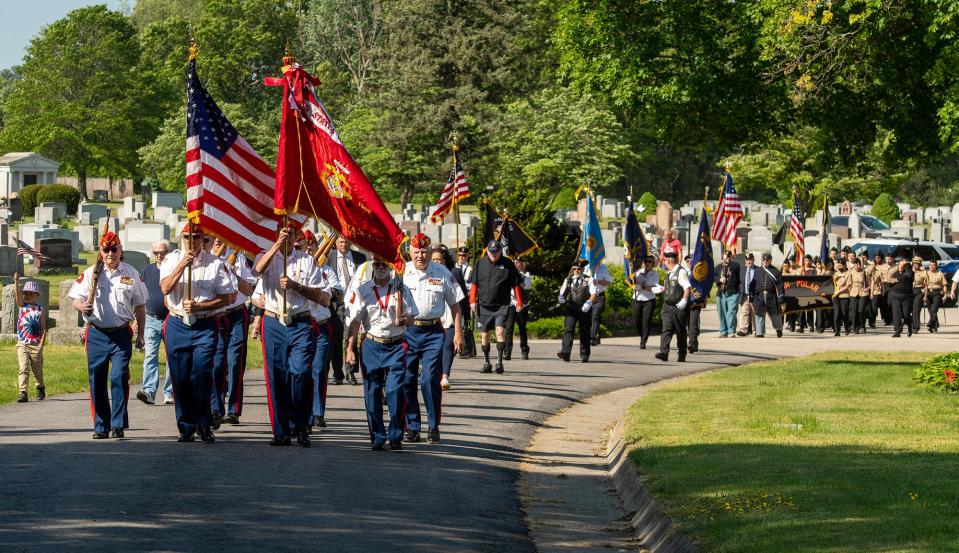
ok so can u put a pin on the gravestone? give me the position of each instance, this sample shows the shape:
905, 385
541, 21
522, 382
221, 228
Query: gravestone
845, 208
842, 232
759, 218
96, 211
411, 228
101, 196
433, 231
111, 224
909, 217
4, 233
742, 235
137, 259
610, 237
68, 317
59, 250
141, 236
59, 209
8, 304
448, 235
760, 239
16, 209
57, 232
10, 262
45, 215
172, 200
937, 229
88, 235
161, 213
854, 225
664, 216
84, 219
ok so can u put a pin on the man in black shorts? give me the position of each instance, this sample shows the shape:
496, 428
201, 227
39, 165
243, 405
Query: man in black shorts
494, 277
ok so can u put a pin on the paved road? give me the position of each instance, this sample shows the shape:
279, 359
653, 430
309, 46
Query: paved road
61, 490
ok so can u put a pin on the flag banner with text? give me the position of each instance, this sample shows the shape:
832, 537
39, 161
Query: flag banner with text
805, 292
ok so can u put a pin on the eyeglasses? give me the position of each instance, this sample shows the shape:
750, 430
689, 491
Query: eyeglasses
158, 254
111, 249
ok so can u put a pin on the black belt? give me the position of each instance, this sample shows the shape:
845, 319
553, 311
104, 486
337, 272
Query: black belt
233, 310
111, 329
297, 317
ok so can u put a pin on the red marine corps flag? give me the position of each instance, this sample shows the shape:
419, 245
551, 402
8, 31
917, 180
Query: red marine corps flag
316, 176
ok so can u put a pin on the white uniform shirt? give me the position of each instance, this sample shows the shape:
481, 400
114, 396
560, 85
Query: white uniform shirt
375, 308
681, 275
955, 277
328, 276
211, 278
363, 273
526, 284
644, 278
602, 273
242, 272
432, 289
118, 293
299, 267
345, 260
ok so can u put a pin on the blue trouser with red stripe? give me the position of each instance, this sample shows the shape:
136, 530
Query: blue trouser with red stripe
104, 349
189, 352
321, 369
287, 362
424, 358
218, 390
384, 364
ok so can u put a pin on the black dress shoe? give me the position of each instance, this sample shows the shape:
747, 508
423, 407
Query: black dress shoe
563, 356
433, 436
396, 446
499, 368
692, 349
896, 335
642, 345
681, 359
337, 381
101, 435
662, 356
741, 334
217, 418
487, 368
188, 437
303, 438
584, 359
22, 398
285, 440
206, 435
525, 356
507, 357
351, 377
377, 447
116, 432
231, 419
411, 436
779, 333
319, 422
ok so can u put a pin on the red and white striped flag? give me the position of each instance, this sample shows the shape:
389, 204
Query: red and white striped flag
728, 214
229, 186
797, 226
456, 189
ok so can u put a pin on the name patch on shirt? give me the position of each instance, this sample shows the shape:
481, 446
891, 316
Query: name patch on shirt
126, 280
435, 281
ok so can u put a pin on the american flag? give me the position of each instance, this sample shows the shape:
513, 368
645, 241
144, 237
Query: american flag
229, 186
457, 185
728, 214
797, 226
26, 249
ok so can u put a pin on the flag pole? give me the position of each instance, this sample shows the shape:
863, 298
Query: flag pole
456, 204
286, 247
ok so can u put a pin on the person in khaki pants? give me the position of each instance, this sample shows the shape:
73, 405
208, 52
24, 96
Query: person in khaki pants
746, 311
31, 332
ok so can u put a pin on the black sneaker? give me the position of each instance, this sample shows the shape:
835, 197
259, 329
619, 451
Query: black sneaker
396, 446
487, 368
662, 356
101, 435
206, 435
411, 436
319, 422
377, 447
145, 397
433, 436
584, 359
116, 432
303, 438
231, 419
285, 440
351, 378
217, 418
525, 356
187, 437
779, 333
41, 393
563, 356
499, 368
507, 357
22, 398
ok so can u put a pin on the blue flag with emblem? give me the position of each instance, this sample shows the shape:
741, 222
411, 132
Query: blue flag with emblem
635, 247
701, 267
591, 246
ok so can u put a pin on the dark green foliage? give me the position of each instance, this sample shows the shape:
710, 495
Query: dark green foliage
649, 202
885, 209
28, 197
941, 372
60, 193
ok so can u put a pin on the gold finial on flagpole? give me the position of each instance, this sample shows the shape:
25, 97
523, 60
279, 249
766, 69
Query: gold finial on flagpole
193, 50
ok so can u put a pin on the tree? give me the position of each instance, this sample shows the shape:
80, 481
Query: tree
884, 208
649, 203
81, 99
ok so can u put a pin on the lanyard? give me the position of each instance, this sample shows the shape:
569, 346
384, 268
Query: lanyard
386, 300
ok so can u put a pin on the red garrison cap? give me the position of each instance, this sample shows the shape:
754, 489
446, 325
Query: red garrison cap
420, 241
310, 237
196, 229
110, 239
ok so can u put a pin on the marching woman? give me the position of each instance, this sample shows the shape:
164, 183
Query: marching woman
935, 287
197, 286
110, 294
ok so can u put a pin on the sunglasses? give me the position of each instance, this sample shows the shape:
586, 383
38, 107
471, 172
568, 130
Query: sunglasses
158, 254
378, 264
111, 249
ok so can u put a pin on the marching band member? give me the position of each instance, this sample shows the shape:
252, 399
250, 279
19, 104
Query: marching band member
287, 332
383, 350
191, 331
433, 291
234, 327
110, 294
324, 332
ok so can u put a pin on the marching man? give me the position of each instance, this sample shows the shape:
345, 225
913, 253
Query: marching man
234, 326
289, 341
109, 295
374, 307
197, 285
433, 290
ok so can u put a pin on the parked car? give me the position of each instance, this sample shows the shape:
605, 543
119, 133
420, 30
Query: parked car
946, 255
867, 223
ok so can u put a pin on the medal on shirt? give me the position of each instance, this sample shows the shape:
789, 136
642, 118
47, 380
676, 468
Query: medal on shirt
384, 304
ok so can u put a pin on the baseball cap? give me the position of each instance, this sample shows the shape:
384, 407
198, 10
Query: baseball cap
31, 286
494, 246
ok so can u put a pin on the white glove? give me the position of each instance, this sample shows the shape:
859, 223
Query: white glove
682, 304
657, 289
561, 299
587, 306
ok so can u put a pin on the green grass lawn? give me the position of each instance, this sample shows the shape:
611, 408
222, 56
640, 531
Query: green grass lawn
65, 369
836, 452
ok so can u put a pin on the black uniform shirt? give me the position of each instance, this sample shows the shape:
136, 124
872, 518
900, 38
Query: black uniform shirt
495, 280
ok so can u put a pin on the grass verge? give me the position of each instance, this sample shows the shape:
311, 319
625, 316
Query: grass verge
65, 369
836, 452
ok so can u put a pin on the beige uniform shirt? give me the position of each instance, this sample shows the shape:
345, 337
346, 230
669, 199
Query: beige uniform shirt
858, 282
919, 280
841, 281
935, 282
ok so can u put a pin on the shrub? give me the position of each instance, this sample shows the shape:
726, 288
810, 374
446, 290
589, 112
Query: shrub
552, 328
649, 202
941, 372
60, 193
28, 197
542, 297
884, 208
